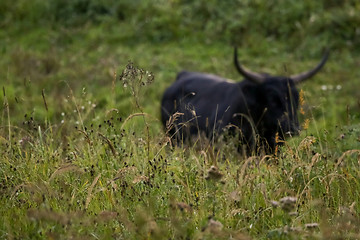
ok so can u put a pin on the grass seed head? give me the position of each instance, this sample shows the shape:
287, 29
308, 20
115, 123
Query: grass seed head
214, 174
301, 101
140, 178
107, 215
213, 226
182, 206
307, 142
288, 203
312, 226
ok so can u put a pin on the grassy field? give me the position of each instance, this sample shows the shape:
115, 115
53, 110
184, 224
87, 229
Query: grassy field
83, 152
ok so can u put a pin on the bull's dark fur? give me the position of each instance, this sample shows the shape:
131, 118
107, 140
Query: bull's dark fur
210, 104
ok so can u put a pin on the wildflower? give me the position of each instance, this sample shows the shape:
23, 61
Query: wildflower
275, 204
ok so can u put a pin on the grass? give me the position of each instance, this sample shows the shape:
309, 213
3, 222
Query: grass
85, 157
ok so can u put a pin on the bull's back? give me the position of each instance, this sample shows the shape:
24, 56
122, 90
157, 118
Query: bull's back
200, 91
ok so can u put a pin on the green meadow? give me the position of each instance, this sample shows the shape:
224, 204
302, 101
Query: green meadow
84, 154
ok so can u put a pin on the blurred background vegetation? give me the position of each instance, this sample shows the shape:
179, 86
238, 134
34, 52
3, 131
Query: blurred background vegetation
335, 23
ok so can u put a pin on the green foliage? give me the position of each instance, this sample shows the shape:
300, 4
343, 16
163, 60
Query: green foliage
84, 157
333, 24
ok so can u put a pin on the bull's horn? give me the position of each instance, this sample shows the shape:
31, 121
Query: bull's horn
255, 77
306, 75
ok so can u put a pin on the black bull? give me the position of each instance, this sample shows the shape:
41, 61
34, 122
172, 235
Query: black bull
259, 108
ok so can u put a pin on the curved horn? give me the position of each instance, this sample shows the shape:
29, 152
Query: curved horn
255, 77
306, 75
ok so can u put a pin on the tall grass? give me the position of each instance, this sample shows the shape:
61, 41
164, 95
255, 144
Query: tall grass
108, 176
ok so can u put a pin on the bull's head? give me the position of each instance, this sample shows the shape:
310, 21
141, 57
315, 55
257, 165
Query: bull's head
277, 100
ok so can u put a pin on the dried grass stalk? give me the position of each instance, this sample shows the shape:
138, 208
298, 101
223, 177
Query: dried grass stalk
88, 198
341, 159
64, 169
